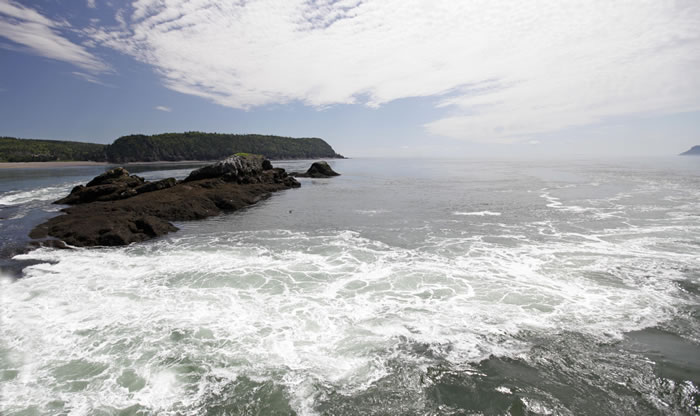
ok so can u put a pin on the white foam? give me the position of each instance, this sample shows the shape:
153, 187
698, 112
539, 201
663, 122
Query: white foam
320, 309
161, 390
536, 406
478, 213
371, 212
48, 193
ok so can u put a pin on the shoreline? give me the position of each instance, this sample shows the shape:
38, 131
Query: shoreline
53, 164
61, 164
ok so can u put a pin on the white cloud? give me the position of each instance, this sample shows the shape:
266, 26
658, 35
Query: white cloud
91, 4
163, 108
41, 35
502, 71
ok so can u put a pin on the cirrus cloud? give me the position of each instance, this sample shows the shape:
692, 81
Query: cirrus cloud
42, 36
502, 70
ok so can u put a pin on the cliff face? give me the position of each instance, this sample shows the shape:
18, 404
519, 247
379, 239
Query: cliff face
693, 151
117, 208
212, 146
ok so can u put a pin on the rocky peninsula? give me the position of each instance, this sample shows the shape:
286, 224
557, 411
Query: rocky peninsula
116, 208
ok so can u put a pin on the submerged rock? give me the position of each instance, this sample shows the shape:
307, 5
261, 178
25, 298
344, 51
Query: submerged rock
117, 208
318, 170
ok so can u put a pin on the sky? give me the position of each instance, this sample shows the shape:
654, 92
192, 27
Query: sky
402, 78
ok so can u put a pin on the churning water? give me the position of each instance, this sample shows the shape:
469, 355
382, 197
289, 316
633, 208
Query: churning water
400, 287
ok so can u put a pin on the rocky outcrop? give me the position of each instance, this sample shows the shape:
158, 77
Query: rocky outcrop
112, 185
117, 209
317, 170
239, 168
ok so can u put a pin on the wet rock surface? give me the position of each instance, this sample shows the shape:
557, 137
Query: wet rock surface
235, 168
317, 170
117, 208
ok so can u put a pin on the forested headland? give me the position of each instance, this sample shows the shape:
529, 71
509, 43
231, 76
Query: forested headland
165, 147
30, 150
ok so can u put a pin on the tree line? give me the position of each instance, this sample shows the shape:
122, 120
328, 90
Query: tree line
31, 150
165, 147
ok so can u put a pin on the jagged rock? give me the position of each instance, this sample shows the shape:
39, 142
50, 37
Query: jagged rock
236, 168
114, 184
138, 213
156, 186
318, 170
108, 177
103, 227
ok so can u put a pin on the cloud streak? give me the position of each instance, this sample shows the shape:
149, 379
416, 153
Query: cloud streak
42, 36
163, 108
499, 71
91, 79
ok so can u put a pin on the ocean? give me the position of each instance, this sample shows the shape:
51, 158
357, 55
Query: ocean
402, 287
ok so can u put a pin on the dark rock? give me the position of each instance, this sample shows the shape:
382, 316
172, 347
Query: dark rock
156, 186
236, 168
112, 185
693, 151
109, 177
318, 170
96, 225
109, 213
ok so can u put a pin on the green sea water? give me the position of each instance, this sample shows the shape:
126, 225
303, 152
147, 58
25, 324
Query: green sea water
402, 287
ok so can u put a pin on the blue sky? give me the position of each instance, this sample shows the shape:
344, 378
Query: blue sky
373, 78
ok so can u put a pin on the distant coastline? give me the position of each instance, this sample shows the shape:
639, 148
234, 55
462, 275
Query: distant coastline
53, 164
169, 147
78, 163
693, 151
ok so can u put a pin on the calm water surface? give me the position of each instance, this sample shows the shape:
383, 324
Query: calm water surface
402, 287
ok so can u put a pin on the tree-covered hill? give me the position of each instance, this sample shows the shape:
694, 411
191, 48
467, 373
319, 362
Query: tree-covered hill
167, 146
210, 146
30, 150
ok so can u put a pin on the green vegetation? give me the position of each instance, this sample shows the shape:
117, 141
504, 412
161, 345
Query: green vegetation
167, 146
29, 150
210, 146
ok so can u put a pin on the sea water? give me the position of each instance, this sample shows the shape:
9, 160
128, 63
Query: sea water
402, 287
